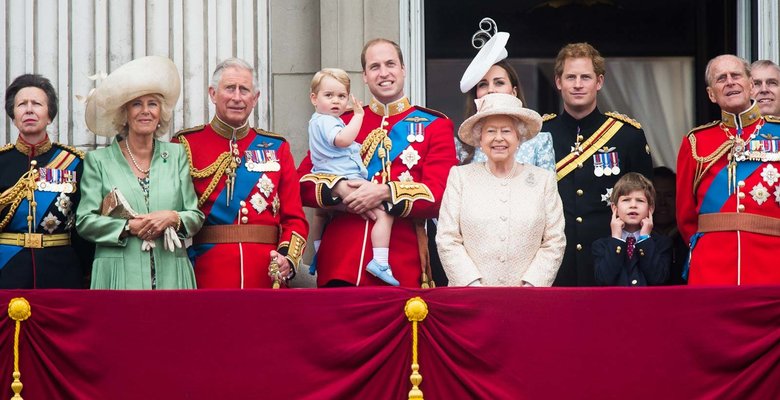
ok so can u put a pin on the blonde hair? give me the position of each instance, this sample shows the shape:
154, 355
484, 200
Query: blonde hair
166, 114
336, 73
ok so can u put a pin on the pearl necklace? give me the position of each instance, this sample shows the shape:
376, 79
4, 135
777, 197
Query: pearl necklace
508, 176
132, 157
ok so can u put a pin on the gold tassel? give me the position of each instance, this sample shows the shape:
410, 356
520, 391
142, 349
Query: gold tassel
416, 310
18, 310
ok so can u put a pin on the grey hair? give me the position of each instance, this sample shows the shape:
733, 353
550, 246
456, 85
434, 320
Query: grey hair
520, 127
708, 78
233, 62
765, 64
166, 115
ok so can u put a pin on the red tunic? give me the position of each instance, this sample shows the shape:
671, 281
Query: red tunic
730, 256
273, 199
417, 186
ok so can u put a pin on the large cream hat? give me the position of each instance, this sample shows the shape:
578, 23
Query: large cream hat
499, 104
139, 77
490, 52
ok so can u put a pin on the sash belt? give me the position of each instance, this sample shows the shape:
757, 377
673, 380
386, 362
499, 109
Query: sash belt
237, 234
721, 222
35, 240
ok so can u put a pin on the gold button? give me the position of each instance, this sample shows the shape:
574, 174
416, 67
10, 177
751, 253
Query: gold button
617, 250
580, 165
242, 203
244, 220
580, 192
741, 183
244, 211
579, 219
634, 282
579, 138
385, 123
579, 247
741, 195
741, 207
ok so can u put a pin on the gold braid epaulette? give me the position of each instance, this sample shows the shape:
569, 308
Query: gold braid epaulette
7, 147
271, 134
215, 170
80, 154
710, 159
547, 117
190, 130
14, 195
772, 118
625, 118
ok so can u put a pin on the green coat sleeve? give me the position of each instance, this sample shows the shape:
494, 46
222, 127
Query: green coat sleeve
92, 226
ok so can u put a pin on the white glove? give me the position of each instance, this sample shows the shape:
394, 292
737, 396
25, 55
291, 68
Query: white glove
172, 240
147, 245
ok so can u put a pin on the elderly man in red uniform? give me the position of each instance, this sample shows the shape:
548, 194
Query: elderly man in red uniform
408, 152
728, 191
248, 188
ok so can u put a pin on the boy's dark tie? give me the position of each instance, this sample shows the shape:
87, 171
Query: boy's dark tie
630, 243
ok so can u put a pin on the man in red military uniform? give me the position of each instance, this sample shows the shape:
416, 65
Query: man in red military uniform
728, 196
408, 152
248, 188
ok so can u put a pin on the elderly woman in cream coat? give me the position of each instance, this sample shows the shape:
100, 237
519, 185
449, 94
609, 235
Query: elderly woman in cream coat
501, 222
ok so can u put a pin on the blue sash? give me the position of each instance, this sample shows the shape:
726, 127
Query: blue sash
225, 214
19, 221
398, 135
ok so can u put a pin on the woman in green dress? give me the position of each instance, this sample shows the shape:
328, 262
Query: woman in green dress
135, 103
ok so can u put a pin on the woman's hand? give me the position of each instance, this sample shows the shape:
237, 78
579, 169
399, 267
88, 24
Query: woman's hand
151, 226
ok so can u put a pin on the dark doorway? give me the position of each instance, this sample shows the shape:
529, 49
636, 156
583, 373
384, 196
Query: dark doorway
698, 29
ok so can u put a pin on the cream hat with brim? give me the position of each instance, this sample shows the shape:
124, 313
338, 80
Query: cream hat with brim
139, 77
499, 104
492, 52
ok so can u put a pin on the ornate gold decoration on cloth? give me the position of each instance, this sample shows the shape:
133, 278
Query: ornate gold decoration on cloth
378, 138
411, 191
24, 188
416, 310
295, 251
547, 117
390, 109
221, 166
19, 310
328, 180
624, 118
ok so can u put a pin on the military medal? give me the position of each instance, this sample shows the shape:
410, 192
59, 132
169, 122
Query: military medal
598, 166
615, 163
416, 133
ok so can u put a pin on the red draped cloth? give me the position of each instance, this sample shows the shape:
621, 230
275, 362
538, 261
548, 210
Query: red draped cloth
476, 343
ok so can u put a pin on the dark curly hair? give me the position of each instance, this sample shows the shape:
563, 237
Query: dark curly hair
30, 80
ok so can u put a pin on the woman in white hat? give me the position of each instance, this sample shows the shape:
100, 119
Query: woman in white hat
501, 222
134, 103
490, 72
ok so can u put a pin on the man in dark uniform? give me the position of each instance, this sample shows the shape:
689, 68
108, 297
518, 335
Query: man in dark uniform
39, 193
592, 151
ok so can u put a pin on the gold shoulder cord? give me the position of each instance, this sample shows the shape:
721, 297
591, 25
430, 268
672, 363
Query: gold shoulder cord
709, 160
373, 140
221, 164
11, 197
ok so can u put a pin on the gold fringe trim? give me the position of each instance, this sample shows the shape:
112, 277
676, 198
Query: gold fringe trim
19, 310
416, 310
